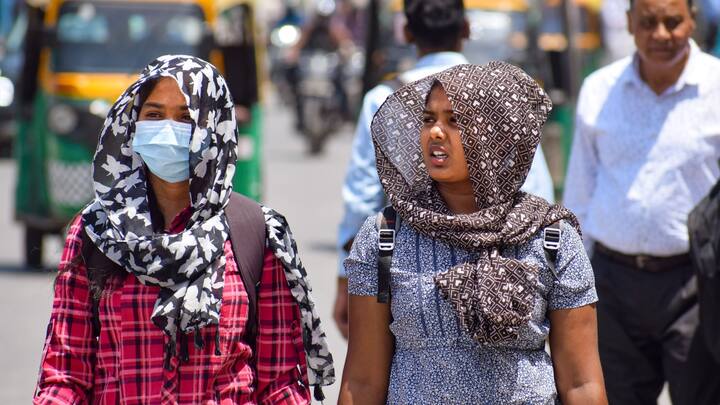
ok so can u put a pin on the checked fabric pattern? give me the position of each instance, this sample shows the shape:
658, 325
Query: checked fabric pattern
500, 111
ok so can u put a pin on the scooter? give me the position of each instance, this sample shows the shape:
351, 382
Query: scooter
322, 99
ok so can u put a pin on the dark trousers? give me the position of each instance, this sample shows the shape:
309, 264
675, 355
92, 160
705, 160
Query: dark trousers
646, 326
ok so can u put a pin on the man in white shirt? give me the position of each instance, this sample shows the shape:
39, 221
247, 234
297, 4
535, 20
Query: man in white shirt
646, 146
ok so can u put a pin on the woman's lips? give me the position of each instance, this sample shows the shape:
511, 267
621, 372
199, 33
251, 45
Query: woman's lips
438, 155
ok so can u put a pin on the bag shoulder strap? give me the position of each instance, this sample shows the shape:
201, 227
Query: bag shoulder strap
248, 238
387, 223
551, 244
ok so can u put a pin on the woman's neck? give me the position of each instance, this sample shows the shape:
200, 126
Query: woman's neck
171, 198
459, 198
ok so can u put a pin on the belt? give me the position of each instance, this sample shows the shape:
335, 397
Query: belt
644, 262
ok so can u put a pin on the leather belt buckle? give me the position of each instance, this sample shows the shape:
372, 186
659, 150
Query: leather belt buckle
641, 261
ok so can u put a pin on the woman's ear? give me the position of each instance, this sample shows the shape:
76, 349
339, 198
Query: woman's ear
409, 37
465, 29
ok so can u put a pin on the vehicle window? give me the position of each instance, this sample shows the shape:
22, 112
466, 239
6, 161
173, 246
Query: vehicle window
124, 36
84, 25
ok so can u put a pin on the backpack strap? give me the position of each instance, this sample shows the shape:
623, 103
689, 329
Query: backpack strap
551, 244
248, 236
388, 224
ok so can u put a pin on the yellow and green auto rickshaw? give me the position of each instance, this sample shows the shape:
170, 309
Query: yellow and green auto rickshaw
86, 53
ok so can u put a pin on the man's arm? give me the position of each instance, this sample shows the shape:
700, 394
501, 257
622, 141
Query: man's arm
362, 192
581, 175
362, 196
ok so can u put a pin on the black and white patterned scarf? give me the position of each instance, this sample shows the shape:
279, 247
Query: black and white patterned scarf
188, 266
500, 111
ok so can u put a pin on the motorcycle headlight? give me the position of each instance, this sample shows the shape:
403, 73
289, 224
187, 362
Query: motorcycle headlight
62, 119
285, 36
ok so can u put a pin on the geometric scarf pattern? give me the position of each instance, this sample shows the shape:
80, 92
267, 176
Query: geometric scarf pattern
500, 111
188, 266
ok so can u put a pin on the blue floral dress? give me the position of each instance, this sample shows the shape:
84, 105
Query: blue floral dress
436, 361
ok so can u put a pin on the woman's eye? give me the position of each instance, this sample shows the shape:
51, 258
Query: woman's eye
428, 120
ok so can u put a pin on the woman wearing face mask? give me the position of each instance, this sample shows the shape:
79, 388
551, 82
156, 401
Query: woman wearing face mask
150, 304
474, 292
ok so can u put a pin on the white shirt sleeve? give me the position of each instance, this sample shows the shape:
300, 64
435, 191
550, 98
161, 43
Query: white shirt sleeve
582, 169
362, 192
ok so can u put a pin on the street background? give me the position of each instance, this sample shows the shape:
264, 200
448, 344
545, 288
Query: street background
305, 188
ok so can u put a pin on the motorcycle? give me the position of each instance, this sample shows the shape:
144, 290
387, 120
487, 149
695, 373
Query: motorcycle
283, 38
321, 97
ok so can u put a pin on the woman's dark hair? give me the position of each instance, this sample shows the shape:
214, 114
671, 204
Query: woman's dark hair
146, 89
98, 275
435, 23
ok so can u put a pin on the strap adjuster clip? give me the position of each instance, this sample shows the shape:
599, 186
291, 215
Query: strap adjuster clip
386, 239
551, 238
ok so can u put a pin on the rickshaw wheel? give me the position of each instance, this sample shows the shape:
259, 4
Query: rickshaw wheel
33, 247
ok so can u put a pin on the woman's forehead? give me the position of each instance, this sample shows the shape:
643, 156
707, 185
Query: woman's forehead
437, 98
167, 92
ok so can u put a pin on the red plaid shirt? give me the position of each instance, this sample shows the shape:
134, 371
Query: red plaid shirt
126, 365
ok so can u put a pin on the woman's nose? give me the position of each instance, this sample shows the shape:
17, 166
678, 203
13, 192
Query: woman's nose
436, 132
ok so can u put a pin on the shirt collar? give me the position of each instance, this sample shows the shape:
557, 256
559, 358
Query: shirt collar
689, 76
441, 59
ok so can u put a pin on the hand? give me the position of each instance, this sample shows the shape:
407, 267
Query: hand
292, 56
242, 114
340, 311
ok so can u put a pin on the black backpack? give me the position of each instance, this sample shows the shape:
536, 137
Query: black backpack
704, 234
247, 235
387, 224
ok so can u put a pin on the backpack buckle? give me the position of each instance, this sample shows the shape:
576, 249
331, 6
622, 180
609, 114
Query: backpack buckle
551, 238
386, 239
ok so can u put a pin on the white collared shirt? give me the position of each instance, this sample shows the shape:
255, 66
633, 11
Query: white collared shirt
641, 161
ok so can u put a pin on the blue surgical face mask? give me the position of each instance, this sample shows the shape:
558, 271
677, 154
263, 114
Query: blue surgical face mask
164, 146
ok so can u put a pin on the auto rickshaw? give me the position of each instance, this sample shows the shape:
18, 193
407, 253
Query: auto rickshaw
86, 53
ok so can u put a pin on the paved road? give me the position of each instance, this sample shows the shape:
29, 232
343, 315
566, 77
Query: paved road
306, 190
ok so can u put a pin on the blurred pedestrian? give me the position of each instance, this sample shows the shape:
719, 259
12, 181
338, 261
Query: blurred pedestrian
150, 266
437, 28
473, 295
646, 144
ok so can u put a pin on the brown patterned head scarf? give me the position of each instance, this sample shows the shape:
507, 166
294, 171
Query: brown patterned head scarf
500, 111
